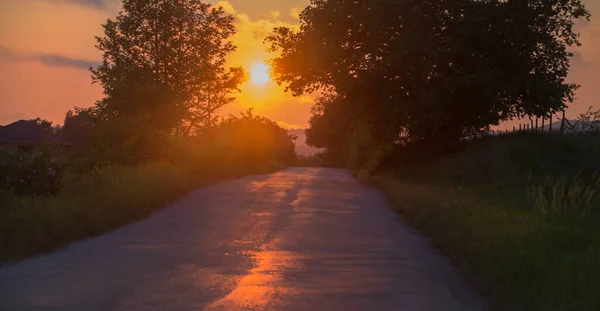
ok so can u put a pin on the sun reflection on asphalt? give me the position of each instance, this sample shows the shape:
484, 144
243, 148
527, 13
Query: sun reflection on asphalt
263, 285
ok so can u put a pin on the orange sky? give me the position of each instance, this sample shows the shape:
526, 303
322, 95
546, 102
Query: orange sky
45, 46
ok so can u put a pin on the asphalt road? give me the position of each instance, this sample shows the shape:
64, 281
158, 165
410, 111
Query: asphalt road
300, 239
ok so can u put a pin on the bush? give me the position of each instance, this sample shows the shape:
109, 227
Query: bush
30, 175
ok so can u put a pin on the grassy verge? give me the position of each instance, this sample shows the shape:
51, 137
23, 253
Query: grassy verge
526, 241
92, 204
521, 261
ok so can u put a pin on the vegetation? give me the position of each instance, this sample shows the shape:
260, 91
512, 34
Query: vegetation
430, 71
164, 66
152, 138
107, 196
408, 89
33, 175
517, 214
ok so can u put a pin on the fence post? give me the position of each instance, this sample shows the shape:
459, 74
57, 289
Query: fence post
551, 119
543, 123
562, 124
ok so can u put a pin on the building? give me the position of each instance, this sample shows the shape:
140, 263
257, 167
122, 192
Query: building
31, 137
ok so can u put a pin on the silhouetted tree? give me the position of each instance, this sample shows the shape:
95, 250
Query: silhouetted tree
254, 140
433, 71
164, 64
78, 127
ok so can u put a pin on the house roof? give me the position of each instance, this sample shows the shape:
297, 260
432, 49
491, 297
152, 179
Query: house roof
27, 132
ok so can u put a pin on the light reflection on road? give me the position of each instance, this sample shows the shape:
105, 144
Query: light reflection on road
262, 285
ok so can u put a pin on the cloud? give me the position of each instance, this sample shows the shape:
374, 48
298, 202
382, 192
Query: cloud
227, 7
295, 13
97, 4
49, 59
274, 15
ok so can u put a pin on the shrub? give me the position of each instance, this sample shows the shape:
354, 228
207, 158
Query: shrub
30, 175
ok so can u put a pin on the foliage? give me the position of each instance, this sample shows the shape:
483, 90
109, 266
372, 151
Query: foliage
92, 203
587, 122
30, 175
566, 197
365, 154
494, 207
330, 124
78, 128
431, 70
43, 124
517, 258
251, 140
163, 68
153, 137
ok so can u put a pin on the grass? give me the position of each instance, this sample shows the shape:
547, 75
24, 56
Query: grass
526, 239
92, 204
564, 196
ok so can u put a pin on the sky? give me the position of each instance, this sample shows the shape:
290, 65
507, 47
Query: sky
46, 47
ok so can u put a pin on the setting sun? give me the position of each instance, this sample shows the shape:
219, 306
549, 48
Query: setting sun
259, 73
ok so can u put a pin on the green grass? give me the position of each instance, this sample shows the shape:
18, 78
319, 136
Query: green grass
526, 239
92, 204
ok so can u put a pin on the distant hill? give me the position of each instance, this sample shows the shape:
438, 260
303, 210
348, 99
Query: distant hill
301, 147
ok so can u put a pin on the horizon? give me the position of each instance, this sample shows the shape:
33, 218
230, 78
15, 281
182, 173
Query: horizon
45, 50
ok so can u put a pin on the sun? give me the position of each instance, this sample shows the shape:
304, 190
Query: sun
259, 74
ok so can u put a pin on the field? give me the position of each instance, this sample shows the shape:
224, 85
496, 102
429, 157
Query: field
517, 214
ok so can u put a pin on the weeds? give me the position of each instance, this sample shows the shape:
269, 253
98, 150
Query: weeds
525, 237
564, 197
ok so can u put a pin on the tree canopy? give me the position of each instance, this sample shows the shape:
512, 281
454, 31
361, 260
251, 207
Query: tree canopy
164, 63
427, 70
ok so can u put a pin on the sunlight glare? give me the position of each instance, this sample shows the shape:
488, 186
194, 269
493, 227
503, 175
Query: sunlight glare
259, 73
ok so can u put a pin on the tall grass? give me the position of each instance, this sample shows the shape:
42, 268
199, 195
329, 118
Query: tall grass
518, 259
88, 205
518, 215
566, 197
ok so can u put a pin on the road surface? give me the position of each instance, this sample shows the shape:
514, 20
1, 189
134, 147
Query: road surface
300, 239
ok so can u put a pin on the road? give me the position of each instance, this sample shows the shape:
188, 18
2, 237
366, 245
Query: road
299, 239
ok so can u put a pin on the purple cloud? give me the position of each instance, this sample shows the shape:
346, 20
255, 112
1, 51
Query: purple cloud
49, 59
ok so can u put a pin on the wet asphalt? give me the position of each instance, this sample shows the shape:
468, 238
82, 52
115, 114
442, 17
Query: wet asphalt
299, 239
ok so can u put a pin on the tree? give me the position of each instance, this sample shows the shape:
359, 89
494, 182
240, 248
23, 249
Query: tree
42, 124
330, 124
429, 70
253, 140
78, 127
214, 95
162, 62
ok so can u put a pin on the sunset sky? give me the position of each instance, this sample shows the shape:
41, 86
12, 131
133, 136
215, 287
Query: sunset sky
47, 45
